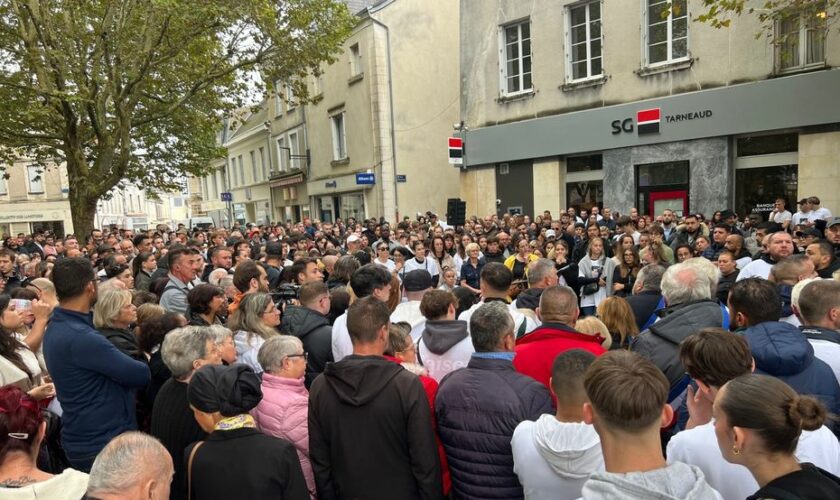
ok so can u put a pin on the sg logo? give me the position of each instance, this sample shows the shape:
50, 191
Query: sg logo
619, 126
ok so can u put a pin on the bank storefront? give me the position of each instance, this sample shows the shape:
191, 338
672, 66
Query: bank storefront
54, 217
346, 196
733, 147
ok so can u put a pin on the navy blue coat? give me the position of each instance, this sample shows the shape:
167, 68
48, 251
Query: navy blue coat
781, 350
477, 409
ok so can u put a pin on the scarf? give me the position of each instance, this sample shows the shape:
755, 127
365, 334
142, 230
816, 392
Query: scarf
244, 421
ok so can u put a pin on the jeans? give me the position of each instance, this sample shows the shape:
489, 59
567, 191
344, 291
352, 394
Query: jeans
587, 311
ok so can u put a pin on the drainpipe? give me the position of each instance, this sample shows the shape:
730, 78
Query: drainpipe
391, 105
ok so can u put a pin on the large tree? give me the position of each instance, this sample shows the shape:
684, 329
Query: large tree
134, 90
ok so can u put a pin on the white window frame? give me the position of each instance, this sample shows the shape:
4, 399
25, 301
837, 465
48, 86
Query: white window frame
670, 59
294, 149
35, 186
263, 170
290, 98
503, 59
253, 155
355, 60
339, 137
281, 154
278, 100
317, 84
802, 45
569, 49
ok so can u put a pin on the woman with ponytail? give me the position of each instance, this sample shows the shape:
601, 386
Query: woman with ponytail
758, 420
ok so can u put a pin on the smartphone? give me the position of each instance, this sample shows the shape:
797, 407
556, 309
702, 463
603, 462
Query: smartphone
22, 304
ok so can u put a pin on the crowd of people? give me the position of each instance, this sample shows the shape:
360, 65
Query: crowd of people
587, 355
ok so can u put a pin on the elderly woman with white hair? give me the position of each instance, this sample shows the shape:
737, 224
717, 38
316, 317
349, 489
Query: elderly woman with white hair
255, 321
184, 350
284, 409
113, 316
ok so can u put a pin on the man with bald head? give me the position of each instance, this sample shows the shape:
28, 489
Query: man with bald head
735, 244
558, 311
779, 246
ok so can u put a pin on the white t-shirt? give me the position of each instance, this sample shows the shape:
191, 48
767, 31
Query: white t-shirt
828, 352
247, 349
800, 217
755, 269
781, 217
821, 213
428, 264
699, 447
342, 346
388, 264
409, 312
518, 318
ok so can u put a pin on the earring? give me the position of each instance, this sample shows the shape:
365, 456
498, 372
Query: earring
736, 451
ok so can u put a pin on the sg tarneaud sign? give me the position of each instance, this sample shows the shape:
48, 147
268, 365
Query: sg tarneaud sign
647, 121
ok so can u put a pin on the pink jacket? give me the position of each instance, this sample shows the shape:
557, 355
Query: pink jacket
283, 412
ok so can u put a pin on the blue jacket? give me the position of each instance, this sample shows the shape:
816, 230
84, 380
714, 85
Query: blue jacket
93, 382
781, 350
477, 409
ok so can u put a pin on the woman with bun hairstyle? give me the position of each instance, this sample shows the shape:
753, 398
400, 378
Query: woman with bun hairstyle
758, 420
22, 430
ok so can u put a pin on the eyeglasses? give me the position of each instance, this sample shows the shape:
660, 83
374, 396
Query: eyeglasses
304, 355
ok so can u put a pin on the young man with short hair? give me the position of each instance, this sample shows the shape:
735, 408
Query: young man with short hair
627, 406
555, 455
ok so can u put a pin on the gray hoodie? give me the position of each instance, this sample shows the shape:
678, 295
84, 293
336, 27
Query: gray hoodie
677, 481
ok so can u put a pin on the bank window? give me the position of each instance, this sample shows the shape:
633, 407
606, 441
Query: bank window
757, 188
583, 41
585, 194
339, 139
515, 58
666, 31
36, 179
281, 153
767, 144
672, 173
801, 40
584, 163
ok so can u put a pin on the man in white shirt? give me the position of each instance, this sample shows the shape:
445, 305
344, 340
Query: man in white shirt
415, 283
780, 215
817, 303
817, 212
803, 214
494, 284
780, 246
369, 279
713, 357
421, 262
555, 455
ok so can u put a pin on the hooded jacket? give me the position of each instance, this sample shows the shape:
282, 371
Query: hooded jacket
444, 346
554, 459
661, 342
529, 299
477, 410
367, 405
676, 481
314, 331
781, 350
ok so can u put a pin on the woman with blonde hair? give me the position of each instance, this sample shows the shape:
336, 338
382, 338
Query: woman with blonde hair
617, 316
593, 326
113, 316
255, 321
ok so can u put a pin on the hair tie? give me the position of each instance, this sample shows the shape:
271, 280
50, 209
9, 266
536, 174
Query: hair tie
19, 435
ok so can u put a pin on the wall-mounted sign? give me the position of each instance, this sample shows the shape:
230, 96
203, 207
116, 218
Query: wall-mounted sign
647, 120
401, 178
226, 196
330, 184
365, 178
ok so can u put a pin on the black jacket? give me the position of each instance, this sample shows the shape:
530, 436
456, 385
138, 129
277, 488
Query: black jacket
643, 305
661, 342
245, 463
809, 483
477, 410
529, 298
313, 329
124, 340
370, 432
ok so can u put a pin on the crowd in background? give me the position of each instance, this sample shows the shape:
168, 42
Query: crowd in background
589, 354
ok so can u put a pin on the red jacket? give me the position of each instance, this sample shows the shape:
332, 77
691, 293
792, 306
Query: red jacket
536, 351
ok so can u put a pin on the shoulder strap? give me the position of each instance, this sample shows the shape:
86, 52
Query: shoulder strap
189, 469
524, 326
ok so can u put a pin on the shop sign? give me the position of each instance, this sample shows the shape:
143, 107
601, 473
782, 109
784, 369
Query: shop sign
331, 184
401, 178
365, 179
647, 121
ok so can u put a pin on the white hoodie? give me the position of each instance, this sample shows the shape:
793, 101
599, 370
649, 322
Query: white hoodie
676, 481
553, 459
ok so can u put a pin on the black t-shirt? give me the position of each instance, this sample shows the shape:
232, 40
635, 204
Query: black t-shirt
518, 269
809, 483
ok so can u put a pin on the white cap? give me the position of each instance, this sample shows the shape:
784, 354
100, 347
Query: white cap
353, 238
550, 233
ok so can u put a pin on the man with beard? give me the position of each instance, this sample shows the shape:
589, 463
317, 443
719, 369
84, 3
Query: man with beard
780, 246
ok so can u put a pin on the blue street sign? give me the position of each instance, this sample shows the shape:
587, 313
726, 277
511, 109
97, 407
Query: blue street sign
226, 196
401, 178
365, 179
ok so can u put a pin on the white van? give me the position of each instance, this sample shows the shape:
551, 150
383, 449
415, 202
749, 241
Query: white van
199, 223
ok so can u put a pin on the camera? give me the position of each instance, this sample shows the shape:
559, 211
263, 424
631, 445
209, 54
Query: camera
286, 294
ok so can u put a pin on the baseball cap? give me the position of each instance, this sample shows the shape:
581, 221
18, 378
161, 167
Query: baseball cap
550, 234
803, 200
353, 238
811, 231
833, 222
417, 280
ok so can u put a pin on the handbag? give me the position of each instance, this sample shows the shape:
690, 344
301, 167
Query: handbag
592, 288
189, 468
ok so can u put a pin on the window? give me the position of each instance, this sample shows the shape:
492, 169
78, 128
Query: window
585, 194
515, 55
254, 166
583, 41
281, 153
768, 144
584, 163
756, 188
666, 36
36, 179
290, 97
317, 84
338, 137
241, 171
233, 180
215, 193
293, 150
262, 164
205, 188
3, 188
278, 100
802, 40
355, 60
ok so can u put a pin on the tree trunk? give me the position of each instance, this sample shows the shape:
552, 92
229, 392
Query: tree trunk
83, 210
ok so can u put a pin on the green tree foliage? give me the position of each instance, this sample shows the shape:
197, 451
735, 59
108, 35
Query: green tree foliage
719, 13
135, 89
